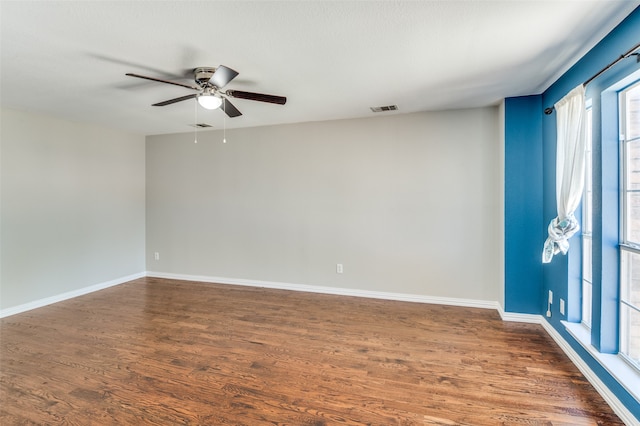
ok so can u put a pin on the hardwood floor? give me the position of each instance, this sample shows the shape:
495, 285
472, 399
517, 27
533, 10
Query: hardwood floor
162, 352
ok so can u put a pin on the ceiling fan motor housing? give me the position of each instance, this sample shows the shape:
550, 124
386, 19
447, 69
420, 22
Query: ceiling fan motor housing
203, 74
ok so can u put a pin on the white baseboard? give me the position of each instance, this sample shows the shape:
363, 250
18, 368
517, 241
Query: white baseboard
470, 303
68, 295
514, 317
616, 405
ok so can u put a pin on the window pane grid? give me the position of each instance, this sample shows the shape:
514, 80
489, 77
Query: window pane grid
631, 191
635, 308
632, 113
630, 218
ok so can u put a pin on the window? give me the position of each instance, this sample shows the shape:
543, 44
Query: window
630, 215
587, 228
605, 289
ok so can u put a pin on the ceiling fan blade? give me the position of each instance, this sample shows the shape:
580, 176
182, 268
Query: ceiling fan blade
260, 97
173, 101
222, 76
229, 108
162, 81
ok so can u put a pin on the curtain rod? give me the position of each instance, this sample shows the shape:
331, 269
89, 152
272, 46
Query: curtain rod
630, 52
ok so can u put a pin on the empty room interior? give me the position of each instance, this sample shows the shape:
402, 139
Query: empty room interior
320, 212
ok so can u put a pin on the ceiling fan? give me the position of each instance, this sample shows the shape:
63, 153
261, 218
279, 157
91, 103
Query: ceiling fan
209, 84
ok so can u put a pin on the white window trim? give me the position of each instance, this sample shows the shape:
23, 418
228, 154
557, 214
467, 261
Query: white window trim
587, 233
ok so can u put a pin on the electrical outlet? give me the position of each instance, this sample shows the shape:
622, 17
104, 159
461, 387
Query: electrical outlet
339, 268
562, 306
156, 256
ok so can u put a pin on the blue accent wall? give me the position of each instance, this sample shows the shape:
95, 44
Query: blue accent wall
523, 198
530, 201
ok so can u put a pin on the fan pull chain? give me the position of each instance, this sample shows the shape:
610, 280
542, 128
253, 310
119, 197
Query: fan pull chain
224, 123
195, 113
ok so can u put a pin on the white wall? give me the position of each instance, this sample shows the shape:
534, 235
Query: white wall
408, 203
72, 206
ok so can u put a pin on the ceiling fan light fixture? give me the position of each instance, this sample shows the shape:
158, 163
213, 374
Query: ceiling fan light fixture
209, 101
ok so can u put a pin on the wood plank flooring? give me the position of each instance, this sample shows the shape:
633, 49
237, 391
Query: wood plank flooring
164, 352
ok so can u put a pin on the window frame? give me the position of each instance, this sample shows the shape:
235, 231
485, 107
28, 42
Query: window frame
601, 343
587, 228
627, 247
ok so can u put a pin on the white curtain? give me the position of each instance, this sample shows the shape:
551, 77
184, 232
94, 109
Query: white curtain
570, 166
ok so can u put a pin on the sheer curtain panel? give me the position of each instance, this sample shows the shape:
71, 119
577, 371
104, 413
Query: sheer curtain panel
570, 167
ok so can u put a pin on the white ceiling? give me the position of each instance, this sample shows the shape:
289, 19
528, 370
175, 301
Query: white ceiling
332, 59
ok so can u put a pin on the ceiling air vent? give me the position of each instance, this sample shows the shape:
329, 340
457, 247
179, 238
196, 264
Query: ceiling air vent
384, 108
201, 125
